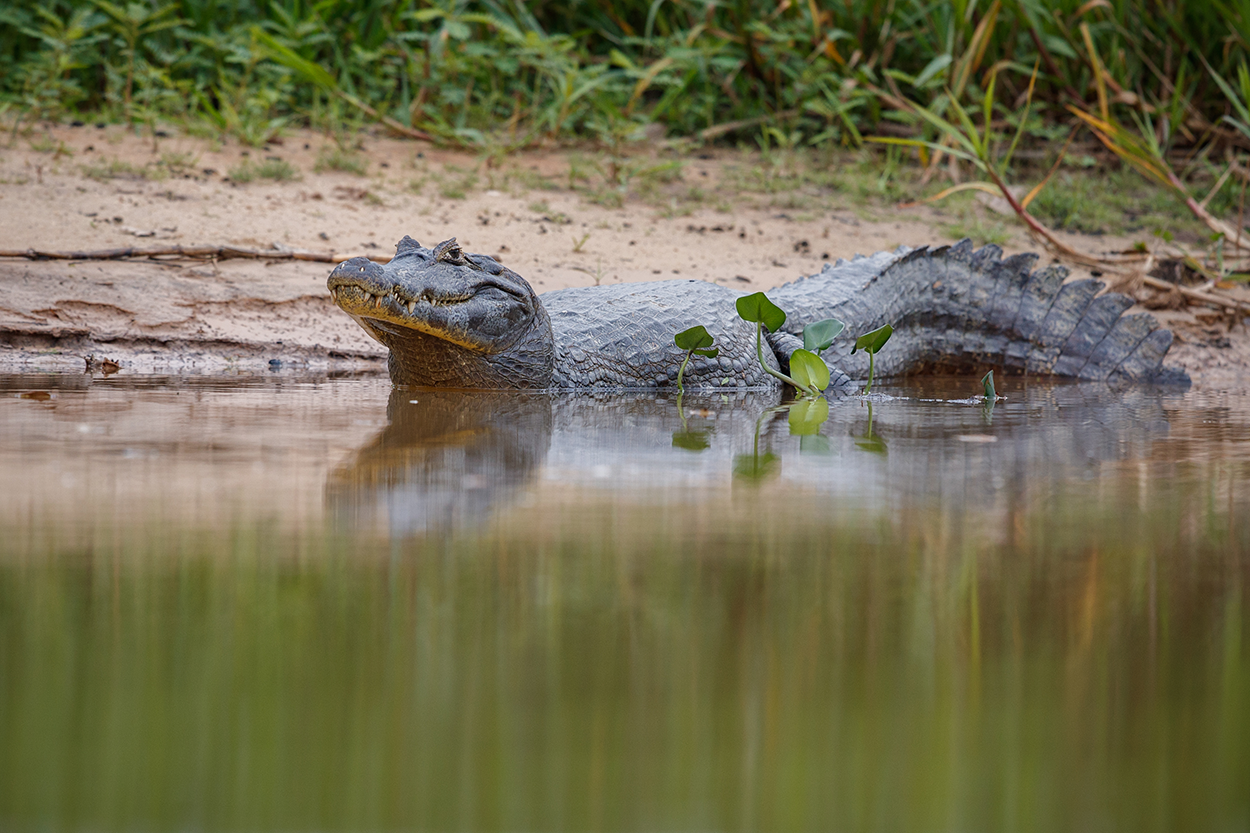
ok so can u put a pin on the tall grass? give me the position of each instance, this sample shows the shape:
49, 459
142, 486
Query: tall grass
1161, 77
500, 70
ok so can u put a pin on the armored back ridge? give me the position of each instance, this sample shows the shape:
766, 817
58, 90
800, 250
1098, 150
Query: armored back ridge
452, 319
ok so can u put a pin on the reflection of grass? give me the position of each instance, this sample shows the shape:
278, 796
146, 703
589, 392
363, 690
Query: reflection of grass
291, 638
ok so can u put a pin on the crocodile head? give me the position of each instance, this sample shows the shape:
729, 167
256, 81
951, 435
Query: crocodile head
450, 319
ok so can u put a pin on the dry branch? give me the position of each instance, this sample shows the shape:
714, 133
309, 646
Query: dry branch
1196, 295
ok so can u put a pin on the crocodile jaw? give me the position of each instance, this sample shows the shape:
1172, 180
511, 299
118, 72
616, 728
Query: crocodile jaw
449, 319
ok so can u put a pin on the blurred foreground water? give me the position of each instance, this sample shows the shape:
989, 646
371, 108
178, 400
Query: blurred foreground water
317, 604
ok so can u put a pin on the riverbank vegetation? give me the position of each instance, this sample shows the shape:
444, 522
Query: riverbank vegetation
1004, 92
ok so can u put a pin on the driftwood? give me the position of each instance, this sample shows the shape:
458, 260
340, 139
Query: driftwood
211, 253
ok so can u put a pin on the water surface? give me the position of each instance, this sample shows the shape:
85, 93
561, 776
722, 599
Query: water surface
294, 604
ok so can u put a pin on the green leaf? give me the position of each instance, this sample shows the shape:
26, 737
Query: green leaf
818, 335
987, 381
809, 370
696, 338
935, 66
873, 445
711, 354
287, 57
807, 415
814, 444
874, 341
757, 308
756, 466
692, 440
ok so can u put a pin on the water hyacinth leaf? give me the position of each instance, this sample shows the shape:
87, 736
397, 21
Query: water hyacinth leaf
873, 341
807, 415
814, 444
756, 466
756, 308
987, 382
819, 335
696, 341
697, 440
696, 338
873, 445
809, 370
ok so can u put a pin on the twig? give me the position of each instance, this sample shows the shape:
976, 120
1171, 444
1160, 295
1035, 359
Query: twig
1215, 300
184, 253
716, 130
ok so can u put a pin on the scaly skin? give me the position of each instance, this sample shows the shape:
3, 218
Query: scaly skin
459, 320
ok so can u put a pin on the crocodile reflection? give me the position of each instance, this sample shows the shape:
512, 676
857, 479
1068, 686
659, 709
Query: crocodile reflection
443, 461
454, 459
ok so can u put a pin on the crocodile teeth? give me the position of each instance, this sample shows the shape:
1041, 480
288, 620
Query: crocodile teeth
412, 305
377, 302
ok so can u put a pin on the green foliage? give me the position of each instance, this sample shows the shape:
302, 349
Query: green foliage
333, 158
807, 415
872, 342
279, 170
819, 335
757, 309
502, 74
696, 341
1238, 97
987, 382
809, 370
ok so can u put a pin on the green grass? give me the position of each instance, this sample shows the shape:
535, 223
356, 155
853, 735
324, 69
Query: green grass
337, 159
1114, 202
1075, 202
796, 81
979, 229
107, 169
278, 170
458, 186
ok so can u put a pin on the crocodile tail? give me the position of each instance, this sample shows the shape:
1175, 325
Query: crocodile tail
955, 309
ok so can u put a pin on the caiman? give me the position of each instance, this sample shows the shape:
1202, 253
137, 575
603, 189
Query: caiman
459, 320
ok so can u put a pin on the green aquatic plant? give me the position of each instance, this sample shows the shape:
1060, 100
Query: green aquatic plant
870, 442
819, 335
987, 382
990, 397
696, 341
757, 466
807, 415
808, 372
871, 343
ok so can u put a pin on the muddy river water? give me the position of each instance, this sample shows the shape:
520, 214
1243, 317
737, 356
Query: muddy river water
289, 603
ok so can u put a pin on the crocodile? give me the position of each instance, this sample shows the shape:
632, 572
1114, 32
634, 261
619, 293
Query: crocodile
453, 319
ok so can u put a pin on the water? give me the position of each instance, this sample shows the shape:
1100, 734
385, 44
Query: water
317, 604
